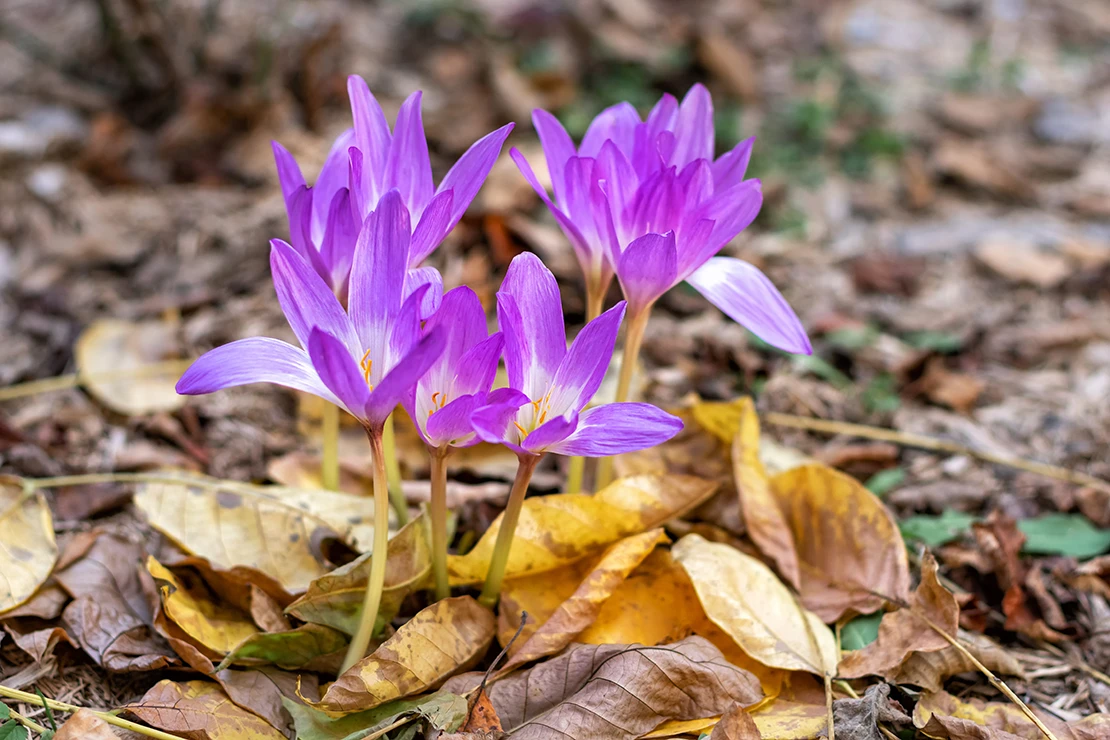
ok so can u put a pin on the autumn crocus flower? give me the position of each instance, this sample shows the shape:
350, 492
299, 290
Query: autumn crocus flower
544, 408
366, 359
446, 397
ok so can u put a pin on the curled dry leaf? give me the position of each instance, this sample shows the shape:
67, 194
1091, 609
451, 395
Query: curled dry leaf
929, 670
560, 529
199, 710
745, 599
559, 627
216, 628
113, 360
335, 599
907, 630
441, 640
84, 725
28, 550
278, 531
617, 691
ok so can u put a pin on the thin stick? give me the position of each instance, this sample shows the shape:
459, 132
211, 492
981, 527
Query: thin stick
373, 599
932, 443
829, 706
108, 717
393, 473
62, 382
437, 510
632, 342
491, 591
329, 452
85, 479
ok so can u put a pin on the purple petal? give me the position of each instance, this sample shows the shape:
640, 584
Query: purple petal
468, 174
337, 245
535, 334
491, 422
334, 175
359, 193
378, 272
648, 268
400, 382
409, 168
578, 204
619, 175
339, 371
289, 173
464, 321
748, 297
615, 428
478, 366
433, 227
695, 183
729, 169
694, 127
731, 211
558, 148
372, 137
582, 370
550, 433
404, 330
657, 206
306, 300
253, 360
617, 123
421, 276
451, 424
573, 234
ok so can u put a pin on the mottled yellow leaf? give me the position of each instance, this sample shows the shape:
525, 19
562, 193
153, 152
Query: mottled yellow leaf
560, 529
124, 366
787, 720
441, 640
27, 547
748, 602
216, 628
199, 709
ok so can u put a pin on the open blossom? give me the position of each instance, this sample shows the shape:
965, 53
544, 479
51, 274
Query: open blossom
367, 161
365, 359
459, 381
645, 199
544, 408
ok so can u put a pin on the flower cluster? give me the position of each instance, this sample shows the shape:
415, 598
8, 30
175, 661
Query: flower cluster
641, 200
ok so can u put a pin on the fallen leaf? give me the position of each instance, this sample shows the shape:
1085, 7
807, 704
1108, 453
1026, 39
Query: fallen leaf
974, 164
199, 710
929, 670
108, 349
748, 602
84, 725
28, 550
444, 710
47, 603
441, 640
860, 632
482, 722
39, 644
266, 611
736, 724
215, 627
278, 531
618, 691
81, 503
935, 531
293, 649
788, 720
858, 719
957, 391
1023, 262
906, 630
551, 631
559, 529
335, 599
942, 715
1057, 533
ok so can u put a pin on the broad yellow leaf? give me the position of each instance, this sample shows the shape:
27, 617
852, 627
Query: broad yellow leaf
124, 366
445, 638
560, 529
279, 531
27, 547
215, 627
788, 720
748, 602
200, 709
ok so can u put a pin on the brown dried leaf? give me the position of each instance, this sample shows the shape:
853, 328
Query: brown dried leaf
929, 670
736, 724
858, 719
84, 725
199, 710
941, 715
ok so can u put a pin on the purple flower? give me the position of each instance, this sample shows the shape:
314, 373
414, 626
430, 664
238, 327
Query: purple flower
367, 161
544, 408
366, 359
458, 382
646, 200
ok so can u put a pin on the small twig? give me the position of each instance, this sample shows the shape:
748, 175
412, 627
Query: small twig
887, 733
108, 717
1077, 664
829, 706
30, 724
932, 443
35, 484
72, 380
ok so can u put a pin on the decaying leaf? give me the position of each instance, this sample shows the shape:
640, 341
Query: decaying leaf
199, 710
335, 599
551, 631
556, 530
113, 359
929, 670
303, 647
617, 691
278, 531
859, 719
443, 710
736, 724
747, 601
441, 640
28, 550
907, 630
215, 627
84, 725
941, 715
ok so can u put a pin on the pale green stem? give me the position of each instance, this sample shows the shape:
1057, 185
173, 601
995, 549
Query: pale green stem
438, 512
632, 341
329, 470
108, 717
595, 301
491, 591
393, 473
373, 599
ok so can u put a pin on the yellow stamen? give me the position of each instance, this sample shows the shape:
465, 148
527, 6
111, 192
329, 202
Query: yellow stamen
367, 367
435, 399
523, 431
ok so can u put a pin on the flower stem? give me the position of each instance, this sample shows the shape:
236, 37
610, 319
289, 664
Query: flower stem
632, 341
373, 599
491, 591
393, 473
595, 301
329, 471
438, 512
576, 471
108, 717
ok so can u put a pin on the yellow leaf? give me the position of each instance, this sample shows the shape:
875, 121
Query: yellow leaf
995, 715
787, 720
124, 366
279, 531
27, 547
553, 630
214, 627
560, 529
441, 640
679, 727
199, 709
748, 602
